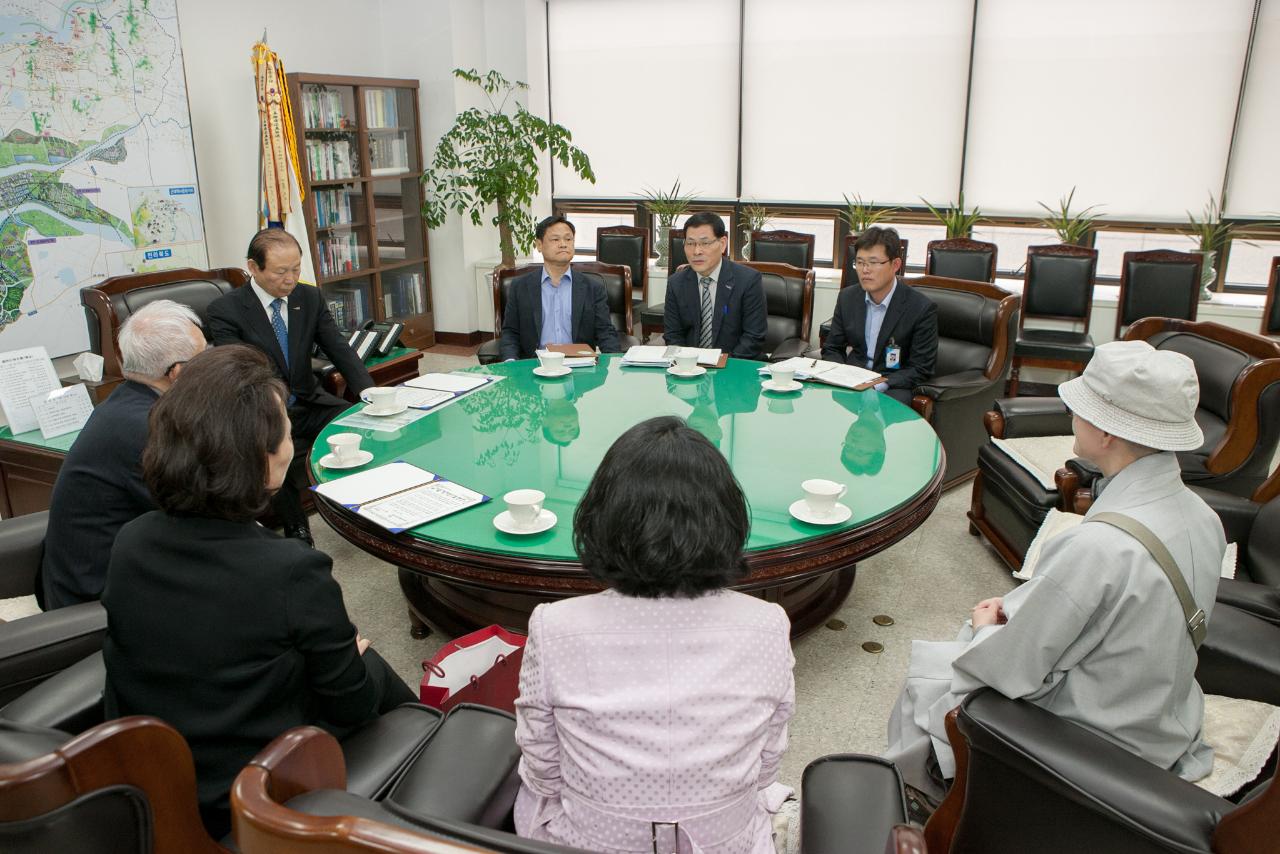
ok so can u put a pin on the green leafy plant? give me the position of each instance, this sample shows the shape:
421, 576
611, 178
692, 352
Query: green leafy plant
958, 221
1209, 231
490, 158
1072, 228
666, 205
754, 217
862, 215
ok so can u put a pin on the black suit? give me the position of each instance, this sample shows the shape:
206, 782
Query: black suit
232, 635
589, 321
738, 318
99, 488
238, 317
911, 321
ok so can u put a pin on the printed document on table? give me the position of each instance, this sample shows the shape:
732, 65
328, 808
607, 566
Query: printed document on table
382, 423
833, 373
455, 383
25, 377
399, 495
643, 354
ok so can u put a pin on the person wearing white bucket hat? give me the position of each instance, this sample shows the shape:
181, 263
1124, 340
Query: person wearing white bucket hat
1098, 636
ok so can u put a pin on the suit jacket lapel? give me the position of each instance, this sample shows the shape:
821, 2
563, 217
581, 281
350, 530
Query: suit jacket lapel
891, 316
858, 323
579, 303
257, 320
724, 290
297, 325
535, 297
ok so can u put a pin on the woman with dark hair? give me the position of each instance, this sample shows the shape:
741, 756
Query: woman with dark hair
653, 716
215, 624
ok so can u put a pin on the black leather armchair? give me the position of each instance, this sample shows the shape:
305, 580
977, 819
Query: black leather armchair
783, 247
961, 258
461, 788
34, 648
1158, 283
628, 245
788, 299
653, 317
854, 804
849, 274
1027, 780
617, 286
976, 327
1058, 286
1271, 311
1255, 528
490, 351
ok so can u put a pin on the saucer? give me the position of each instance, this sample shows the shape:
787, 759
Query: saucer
329, 461
800, 510
697, 371
552, 373
369, 410
504, 523
770, 385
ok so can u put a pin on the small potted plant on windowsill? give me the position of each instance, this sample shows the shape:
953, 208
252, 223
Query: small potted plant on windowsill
860, 215
1072, 229
958, 221
1211, 234
755, 217
666, 205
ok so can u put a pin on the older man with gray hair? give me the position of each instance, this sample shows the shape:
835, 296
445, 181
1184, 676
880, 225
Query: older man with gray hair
100, 486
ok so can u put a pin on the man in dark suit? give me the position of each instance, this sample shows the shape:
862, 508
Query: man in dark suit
714, 302
884, 326
557, 306
269, 314
100, 487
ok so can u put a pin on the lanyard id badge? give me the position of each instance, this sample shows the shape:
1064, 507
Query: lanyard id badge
892, 355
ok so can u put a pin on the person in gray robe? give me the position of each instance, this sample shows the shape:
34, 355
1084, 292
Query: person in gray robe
1098, 635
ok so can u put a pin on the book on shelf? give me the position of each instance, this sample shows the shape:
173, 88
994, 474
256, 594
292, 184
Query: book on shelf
322, 108
333, 207
329, 160
380, 109
338, 254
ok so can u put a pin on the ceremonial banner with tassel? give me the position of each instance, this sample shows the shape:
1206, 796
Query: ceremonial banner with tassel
281, 175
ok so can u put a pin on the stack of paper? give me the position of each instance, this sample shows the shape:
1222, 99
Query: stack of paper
576, 359
832, 373
454, 383
399, 496
660, 357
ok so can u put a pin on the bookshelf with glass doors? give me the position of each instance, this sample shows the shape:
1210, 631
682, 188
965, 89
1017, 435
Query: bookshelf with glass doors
360, 145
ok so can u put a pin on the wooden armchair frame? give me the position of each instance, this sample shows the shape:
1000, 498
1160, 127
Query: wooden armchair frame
961, 244
783, 236
142, 752
1273, 283
1157, 256
501, 275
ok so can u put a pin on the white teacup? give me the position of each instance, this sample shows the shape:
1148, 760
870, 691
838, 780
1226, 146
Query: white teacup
525, 506
782, 377
550, 360
345, 446
381, 399
822, 495
686, 360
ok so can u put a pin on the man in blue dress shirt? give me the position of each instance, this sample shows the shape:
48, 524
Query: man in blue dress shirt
556, 305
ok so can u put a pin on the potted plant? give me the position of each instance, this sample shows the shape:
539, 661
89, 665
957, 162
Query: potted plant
1211, 235
862, 215
755, 217
490, 157
666, 205
958, 221
1071, 228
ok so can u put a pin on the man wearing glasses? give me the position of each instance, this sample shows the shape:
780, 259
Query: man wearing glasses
555, 305
885, 326
714, 302
100, 486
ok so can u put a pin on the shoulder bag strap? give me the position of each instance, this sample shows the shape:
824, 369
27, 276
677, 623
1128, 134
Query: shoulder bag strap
1195, 616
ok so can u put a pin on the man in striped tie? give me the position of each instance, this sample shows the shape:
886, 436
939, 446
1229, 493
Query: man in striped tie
714, 302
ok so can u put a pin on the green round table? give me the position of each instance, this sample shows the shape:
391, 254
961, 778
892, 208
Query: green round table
460, 572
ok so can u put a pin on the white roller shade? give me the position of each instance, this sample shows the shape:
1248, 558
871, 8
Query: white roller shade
854, 96
1254, 188
650, 92
1131, 102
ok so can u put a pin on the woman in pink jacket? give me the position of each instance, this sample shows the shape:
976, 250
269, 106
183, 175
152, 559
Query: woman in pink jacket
653, 716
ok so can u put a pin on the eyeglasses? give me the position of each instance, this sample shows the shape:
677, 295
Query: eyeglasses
701, 244
865, 264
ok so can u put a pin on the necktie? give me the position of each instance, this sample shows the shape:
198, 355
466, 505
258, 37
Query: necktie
704, 337
282, 333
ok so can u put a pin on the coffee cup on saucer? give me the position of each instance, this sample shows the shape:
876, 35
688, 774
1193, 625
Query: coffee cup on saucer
524, 506
381, 401
686, 360
782, 377
821, 496
550, 361
345, 447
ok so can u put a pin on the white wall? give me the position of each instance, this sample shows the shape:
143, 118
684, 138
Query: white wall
418, 39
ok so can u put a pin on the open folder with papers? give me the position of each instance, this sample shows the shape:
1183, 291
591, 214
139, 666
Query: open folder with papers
399, 496
832, 373
642, 355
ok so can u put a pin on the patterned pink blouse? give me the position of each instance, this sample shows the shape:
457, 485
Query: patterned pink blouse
654, 719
